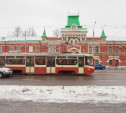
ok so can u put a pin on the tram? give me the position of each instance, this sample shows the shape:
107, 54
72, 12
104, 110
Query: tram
43, 63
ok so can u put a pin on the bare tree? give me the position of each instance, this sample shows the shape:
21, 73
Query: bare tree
56, 32
10, 35
29, 33
17, 31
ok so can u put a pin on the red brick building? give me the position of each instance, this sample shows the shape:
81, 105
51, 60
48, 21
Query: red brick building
73, 39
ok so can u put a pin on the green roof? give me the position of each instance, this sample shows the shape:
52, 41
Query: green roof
73, 20
103, 33
93, 37
44, 33
54, 37
74, 31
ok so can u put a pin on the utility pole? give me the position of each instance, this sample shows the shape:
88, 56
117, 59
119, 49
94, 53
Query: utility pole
93, 39
25, 41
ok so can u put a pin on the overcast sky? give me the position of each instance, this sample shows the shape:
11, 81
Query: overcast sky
52, 14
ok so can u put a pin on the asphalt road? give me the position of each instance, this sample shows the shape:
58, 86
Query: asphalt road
38, 107
99, 78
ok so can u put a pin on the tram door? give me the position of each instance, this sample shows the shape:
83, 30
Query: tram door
50, 67
30, 65
80, 65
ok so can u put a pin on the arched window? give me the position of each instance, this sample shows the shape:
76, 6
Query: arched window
97, 62
110, 49
71, 41
12, 48
37, 49
90, 49
110, 62
117, 49
30, 48
57, 49
75, 41
117, 63
96, 49
74, 27
18, 48
50, 49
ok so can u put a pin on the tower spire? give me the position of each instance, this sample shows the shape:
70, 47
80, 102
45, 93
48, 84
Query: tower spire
44, 33
103, 33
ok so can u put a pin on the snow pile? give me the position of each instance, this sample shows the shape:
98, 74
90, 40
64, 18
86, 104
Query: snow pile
76, 94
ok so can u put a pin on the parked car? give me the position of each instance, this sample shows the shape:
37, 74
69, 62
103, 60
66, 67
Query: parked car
100, 66
4, 72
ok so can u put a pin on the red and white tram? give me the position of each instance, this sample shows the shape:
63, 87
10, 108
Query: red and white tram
48, 63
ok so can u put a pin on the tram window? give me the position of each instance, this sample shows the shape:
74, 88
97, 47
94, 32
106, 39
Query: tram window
89, 61
30, 61
40, 60
9, 61
50, 61
66, 61
19, 56
61, 57
9, 57
81, 61
17, 60
20, 61
2, 61
72, 57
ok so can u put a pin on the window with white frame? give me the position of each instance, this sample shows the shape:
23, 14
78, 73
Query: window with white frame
110, 49
50, 49
57, 48
0, 48
117, 49
37, 49
18, 48
96, 49
90, 49
30, 49
12, 48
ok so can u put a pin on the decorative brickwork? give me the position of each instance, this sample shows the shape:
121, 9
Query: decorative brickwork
73, 39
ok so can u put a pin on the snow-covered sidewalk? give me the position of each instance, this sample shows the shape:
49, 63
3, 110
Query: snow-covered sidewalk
76, 94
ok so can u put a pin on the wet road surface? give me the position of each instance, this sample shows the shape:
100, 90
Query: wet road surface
36, 107
99, 78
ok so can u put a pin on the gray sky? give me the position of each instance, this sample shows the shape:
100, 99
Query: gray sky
52, 14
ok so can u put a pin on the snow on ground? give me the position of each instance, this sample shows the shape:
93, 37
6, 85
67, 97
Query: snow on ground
76, 94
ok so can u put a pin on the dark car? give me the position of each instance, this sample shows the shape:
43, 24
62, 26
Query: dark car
100, 66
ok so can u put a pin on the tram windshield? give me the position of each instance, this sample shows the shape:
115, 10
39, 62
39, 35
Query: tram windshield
89, 61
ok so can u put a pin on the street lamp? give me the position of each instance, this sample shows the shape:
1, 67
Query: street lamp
93, 39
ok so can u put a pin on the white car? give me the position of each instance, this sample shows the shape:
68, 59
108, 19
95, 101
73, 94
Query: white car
5, 71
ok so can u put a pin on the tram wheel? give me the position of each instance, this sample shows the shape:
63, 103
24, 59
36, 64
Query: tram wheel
73, 73
60, 73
